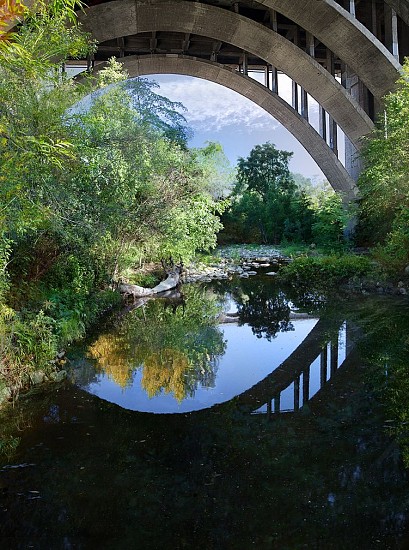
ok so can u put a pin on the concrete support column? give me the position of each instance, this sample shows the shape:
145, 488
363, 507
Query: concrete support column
323, 123
269, 409
352, 8
310, 44
294, 86
395, 42
332, 126
334, 356
391, 29
374, 22
333, 135
323, 366
267, 77
297, 394
304, 104
277, 403
306, 385
274, 79
351, 82
245, 64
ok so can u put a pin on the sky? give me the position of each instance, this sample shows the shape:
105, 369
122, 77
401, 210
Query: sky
216, 113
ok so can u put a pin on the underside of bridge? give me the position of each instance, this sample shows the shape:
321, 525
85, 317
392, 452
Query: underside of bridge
345, 55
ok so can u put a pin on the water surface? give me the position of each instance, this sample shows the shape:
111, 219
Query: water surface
284, 428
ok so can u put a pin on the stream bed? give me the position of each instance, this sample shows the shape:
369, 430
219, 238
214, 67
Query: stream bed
228, 415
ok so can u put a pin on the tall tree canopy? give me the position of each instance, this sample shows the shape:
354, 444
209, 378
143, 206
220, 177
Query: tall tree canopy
265, 171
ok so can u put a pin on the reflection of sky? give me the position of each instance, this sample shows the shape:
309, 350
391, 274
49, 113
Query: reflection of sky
247, 360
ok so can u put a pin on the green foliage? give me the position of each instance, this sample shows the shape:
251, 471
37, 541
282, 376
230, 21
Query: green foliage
85, 193
265, 170
330, 221
192, 226
384, 182
394, 253
324, 272
269, 206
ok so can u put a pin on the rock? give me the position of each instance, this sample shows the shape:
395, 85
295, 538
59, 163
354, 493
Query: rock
272, 273
407, 270
244, 276
5, 394
403, 291
37, 377
58, 376
400, 284
251, 272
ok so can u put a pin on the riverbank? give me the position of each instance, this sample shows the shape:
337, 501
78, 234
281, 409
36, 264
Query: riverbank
238, 260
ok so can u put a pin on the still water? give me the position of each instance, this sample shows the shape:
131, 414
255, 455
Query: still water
235, 414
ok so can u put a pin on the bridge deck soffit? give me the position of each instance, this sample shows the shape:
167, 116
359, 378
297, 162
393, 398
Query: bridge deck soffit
119, 18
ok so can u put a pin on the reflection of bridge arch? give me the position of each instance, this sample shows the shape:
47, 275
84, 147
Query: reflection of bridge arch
268, 390
259, 94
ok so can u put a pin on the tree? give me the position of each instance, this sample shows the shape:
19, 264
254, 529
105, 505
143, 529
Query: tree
265, 171
384, 183
81, 192
263, 195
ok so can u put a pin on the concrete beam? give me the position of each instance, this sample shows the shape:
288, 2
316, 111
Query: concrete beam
259, 94
351, 41
402, 9
126, 17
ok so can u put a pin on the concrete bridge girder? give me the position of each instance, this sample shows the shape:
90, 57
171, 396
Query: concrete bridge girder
344, 35
402, 9
126, 17
259, 94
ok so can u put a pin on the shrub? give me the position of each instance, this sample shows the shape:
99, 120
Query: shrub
325, 272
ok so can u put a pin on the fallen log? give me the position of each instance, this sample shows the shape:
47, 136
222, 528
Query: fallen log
172, 281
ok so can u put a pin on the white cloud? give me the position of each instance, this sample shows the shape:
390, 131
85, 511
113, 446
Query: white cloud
211, 107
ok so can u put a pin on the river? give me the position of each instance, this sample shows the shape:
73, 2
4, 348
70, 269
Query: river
229, 415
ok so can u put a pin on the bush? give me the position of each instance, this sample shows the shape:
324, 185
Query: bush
325, 272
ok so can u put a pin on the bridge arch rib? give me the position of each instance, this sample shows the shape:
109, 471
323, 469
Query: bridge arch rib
349, 39
121, 18
259, 94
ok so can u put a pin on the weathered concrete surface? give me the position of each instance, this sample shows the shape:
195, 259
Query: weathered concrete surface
259, 94
126, 17
402, 9
347, 38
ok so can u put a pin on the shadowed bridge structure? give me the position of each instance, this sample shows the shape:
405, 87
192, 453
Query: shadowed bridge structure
345, 55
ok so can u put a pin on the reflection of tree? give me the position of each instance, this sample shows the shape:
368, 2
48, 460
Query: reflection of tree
262, 305
385, 349
111, 352
177, 348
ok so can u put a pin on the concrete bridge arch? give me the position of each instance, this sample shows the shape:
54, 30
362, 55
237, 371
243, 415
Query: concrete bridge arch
313, 42
260, 95
125, 17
